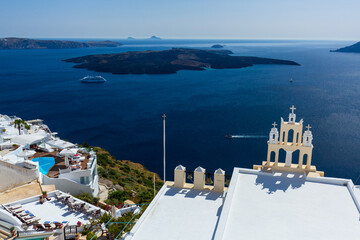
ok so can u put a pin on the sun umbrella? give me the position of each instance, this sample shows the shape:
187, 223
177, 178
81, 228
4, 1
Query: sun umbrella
26, 153
68, 152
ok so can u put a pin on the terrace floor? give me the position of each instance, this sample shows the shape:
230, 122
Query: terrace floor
54, 210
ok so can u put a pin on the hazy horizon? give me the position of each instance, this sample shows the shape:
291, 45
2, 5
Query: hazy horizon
201, 19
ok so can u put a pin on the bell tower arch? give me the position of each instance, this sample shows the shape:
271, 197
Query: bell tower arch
298, 141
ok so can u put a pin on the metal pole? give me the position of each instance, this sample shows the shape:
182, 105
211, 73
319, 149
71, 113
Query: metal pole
164, 116
154, 184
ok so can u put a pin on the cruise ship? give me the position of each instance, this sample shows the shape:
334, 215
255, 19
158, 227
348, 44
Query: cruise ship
93, 79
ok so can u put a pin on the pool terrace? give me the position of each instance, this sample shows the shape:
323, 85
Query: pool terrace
54, 171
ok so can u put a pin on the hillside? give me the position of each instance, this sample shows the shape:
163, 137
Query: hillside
134, 178
26, 43
355, 48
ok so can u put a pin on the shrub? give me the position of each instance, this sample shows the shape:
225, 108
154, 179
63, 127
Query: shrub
90, 235
87, 197
119, 195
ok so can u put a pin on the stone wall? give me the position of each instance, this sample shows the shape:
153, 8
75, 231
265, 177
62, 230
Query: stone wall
12, 176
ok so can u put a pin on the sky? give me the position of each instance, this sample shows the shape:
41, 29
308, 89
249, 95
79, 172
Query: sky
221, 19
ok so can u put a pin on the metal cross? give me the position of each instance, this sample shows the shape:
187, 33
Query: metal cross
308, 127
274, 124
292, 109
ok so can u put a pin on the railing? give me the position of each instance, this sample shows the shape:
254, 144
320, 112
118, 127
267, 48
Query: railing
32, 233
209, 178
107, 225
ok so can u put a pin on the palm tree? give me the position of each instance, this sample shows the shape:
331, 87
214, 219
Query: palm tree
18, 123
21, 123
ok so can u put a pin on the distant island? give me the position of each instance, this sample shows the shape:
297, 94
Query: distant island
130, 38
154, 38
168, 61
26, 43
355, 48
217, 46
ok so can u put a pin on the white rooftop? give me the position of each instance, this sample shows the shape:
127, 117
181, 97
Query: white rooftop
288, 206
53, 210
258, 205
177, 213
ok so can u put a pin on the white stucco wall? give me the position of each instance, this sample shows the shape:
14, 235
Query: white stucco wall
67, 185
8, 218
12, 176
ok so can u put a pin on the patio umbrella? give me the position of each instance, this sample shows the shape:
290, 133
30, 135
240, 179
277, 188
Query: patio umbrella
26, 153
67, 153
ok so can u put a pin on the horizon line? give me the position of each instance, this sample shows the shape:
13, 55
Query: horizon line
186, 38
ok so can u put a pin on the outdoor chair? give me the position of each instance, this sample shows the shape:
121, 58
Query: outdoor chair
65, 199
14, 206
28, 217
18, 210
39, 226
32, 220
96, 213
58, 225
49, 226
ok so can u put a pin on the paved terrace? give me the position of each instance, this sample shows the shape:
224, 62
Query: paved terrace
24, 191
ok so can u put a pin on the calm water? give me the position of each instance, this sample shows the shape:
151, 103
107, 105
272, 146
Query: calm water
124, 114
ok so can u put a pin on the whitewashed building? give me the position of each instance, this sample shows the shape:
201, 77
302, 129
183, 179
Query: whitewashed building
280, 199
29, 151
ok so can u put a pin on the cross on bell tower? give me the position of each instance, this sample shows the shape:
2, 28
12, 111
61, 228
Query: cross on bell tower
292, 115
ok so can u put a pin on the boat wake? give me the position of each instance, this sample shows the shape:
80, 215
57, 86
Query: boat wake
246, 136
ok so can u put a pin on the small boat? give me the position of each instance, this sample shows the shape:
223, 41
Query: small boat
291, 80
228, 136
93, 79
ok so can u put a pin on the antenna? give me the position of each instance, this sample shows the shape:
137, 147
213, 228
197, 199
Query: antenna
164, 117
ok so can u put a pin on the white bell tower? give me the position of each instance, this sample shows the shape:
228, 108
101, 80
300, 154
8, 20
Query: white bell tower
290, 138
308, 137
274, 135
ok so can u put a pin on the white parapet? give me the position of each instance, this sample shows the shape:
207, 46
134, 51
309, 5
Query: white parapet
199, 178
180, 176
219, 180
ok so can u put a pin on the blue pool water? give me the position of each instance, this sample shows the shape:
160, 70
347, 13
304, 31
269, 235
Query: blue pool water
45, 163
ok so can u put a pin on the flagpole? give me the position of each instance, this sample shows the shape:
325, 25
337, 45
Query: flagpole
164, 116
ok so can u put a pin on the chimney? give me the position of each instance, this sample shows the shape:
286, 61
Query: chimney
219, 180
199, 178
180, 174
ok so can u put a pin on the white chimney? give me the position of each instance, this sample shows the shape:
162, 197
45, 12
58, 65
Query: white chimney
219, 180
199, 178
180, 176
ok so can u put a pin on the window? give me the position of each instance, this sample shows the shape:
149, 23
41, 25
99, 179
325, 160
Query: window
84, 180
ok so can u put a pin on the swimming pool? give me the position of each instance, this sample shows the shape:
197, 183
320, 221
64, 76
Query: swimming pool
45, 163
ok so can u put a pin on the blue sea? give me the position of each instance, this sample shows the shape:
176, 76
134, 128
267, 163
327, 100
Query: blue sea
124, 114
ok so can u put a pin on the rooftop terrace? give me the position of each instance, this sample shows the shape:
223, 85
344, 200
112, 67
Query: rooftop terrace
181, 214
54, 210
288, 206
